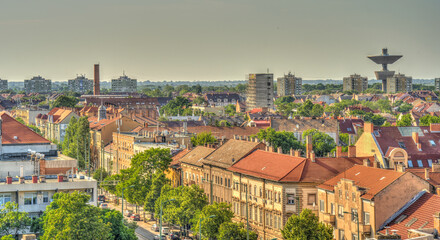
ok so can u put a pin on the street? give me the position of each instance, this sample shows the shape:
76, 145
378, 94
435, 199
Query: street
144, 234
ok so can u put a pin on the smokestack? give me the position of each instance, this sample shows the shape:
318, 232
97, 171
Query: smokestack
426, 173
309, 145
96, 88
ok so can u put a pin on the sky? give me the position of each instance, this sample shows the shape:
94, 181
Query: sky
183, 40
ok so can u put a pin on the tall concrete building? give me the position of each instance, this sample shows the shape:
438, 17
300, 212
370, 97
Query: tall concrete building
124, 84
260, 91
81, 84
355, 83
384, 60
437, 84
399, 83
3, 84
288, 85
38, 84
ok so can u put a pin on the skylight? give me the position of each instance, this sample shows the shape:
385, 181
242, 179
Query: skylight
419, 162
382, 178
400, 218
432, 142
430, 162
376, 133
411, 222
402, 145
357, 173
410, 163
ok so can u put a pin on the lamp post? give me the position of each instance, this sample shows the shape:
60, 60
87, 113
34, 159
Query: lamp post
210, 181
160, 218
123, 199
200, 225
355, 215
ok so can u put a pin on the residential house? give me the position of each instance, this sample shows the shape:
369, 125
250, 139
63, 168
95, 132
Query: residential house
174, 172
222, 99
55, 124
192, 165
365, 195
29, 114
352, 127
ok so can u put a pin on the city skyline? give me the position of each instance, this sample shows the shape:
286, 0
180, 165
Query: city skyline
216, 40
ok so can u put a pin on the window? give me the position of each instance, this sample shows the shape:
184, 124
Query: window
311, 199
430, 162
275, 221
353, 214
279, 197
354, 236
376, 133
261, 216
346, 195
410, 163
419, 162
321, 205
256, 214
340, 211
353, 196
432, 142
349, 129
366, 218
340, 193
267, 218
279, 222
30, 198
4, 198
276, 197
290, 199
255, 190
402, 145
261, 192
45, 197
341, 234
332, 208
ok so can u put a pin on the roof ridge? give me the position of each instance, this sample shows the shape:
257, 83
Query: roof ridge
302, 163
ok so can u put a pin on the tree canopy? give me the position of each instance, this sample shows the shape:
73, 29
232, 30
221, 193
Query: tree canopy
76, 142
235, 231
285, 140
306, 226
202, 139
322, 142
405, 121
177, 106
65, 101
12, 221
210, 226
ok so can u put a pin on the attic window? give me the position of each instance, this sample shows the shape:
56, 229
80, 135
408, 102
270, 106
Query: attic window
432, 142
410, 163
419, 162
376, 133
411, 222
425, 131
15, 137
400, 218
430, 162
382, 178
349, 129
402, 145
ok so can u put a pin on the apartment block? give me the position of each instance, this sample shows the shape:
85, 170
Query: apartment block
3, 84
81, 84
260, 91
38, 84
289, 85
124, 84
437, 84
29, 114
399, 83
355, 83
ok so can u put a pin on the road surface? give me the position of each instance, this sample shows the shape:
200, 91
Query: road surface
144, 234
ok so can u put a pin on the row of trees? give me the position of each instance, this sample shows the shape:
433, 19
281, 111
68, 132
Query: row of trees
69, 216
76, 142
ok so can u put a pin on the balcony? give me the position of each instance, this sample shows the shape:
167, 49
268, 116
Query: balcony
328, 218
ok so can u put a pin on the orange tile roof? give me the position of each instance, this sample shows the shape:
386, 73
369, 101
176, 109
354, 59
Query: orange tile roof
13, 132
196, 156
374, 180
98, 125
59, 114
176, 158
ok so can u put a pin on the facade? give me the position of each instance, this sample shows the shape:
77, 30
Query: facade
437, 84
414, 147
38, 84
124, 84
260, 91
33, 196
192, 165
29, 115
3, 84
124, 100
278, 186
355, 83
288, 85
367, 195
222, 99
399, 83
54, 125
81, 84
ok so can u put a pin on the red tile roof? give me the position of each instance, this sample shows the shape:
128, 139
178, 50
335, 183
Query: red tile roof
13, 132
195, 156
176, 158
420, 214
98, 125
286, 168
59, 114
434, 177
348, 125
374, 180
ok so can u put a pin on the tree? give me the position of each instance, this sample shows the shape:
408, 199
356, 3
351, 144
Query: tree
65, 101
68, 144
76, 143
20, 120
199, 101
317, 111
405, 121
306, 226
12, 221
428, 119
159, 180
7, 237
70, 216
177, 106
224, 123
230, 109
99, 174
285, 140
322, 142
203, 138
210, 226
306, 109
235, 231
120, 228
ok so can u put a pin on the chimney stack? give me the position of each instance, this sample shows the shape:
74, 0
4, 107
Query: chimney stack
351, 151
366, 162
292, 152
96, 89
338, 151
312, 156
280, 150
309, 146
375, 165
34, 179
437, 221
60, 178
426, 173
368, 127
415, 137
8, 180
435, 167
400, 167
298, 153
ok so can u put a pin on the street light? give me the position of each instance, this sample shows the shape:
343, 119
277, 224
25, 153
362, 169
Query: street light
123, 199
160, 218
356, 218
200, 225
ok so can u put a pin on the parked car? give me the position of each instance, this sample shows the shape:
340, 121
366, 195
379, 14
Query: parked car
156, 237
174, 236
155, 228
104, 206
165, 230
128, 213
101, 198
135, 217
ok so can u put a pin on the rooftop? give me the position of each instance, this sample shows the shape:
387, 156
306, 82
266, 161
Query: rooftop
13, 132
195, 156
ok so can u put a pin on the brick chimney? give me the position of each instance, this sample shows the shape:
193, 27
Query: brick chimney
426, 173
415, 137
366, 162
34, 179
312, 156
437, 221
435, 167
375, 164
368, 127
351, 151
292, 152
60, 178
338, 151
8, 180
298, 153
309, 146
279, 150
270, 149
400, 167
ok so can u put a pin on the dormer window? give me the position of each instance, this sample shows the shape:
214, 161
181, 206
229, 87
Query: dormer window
402, 145
432, 142
376, 133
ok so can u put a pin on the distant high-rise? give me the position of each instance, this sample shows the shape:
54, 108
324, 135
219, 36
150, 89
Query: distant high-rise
260, 91
355, 83
37, 85
437, 84
80, 84
384, 60
3, 84
124, 84
96, 89
399, 83
288, 85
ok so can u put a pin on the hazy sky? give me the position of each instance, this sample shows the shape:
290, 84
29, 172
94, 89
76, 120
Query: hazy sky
216, 40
